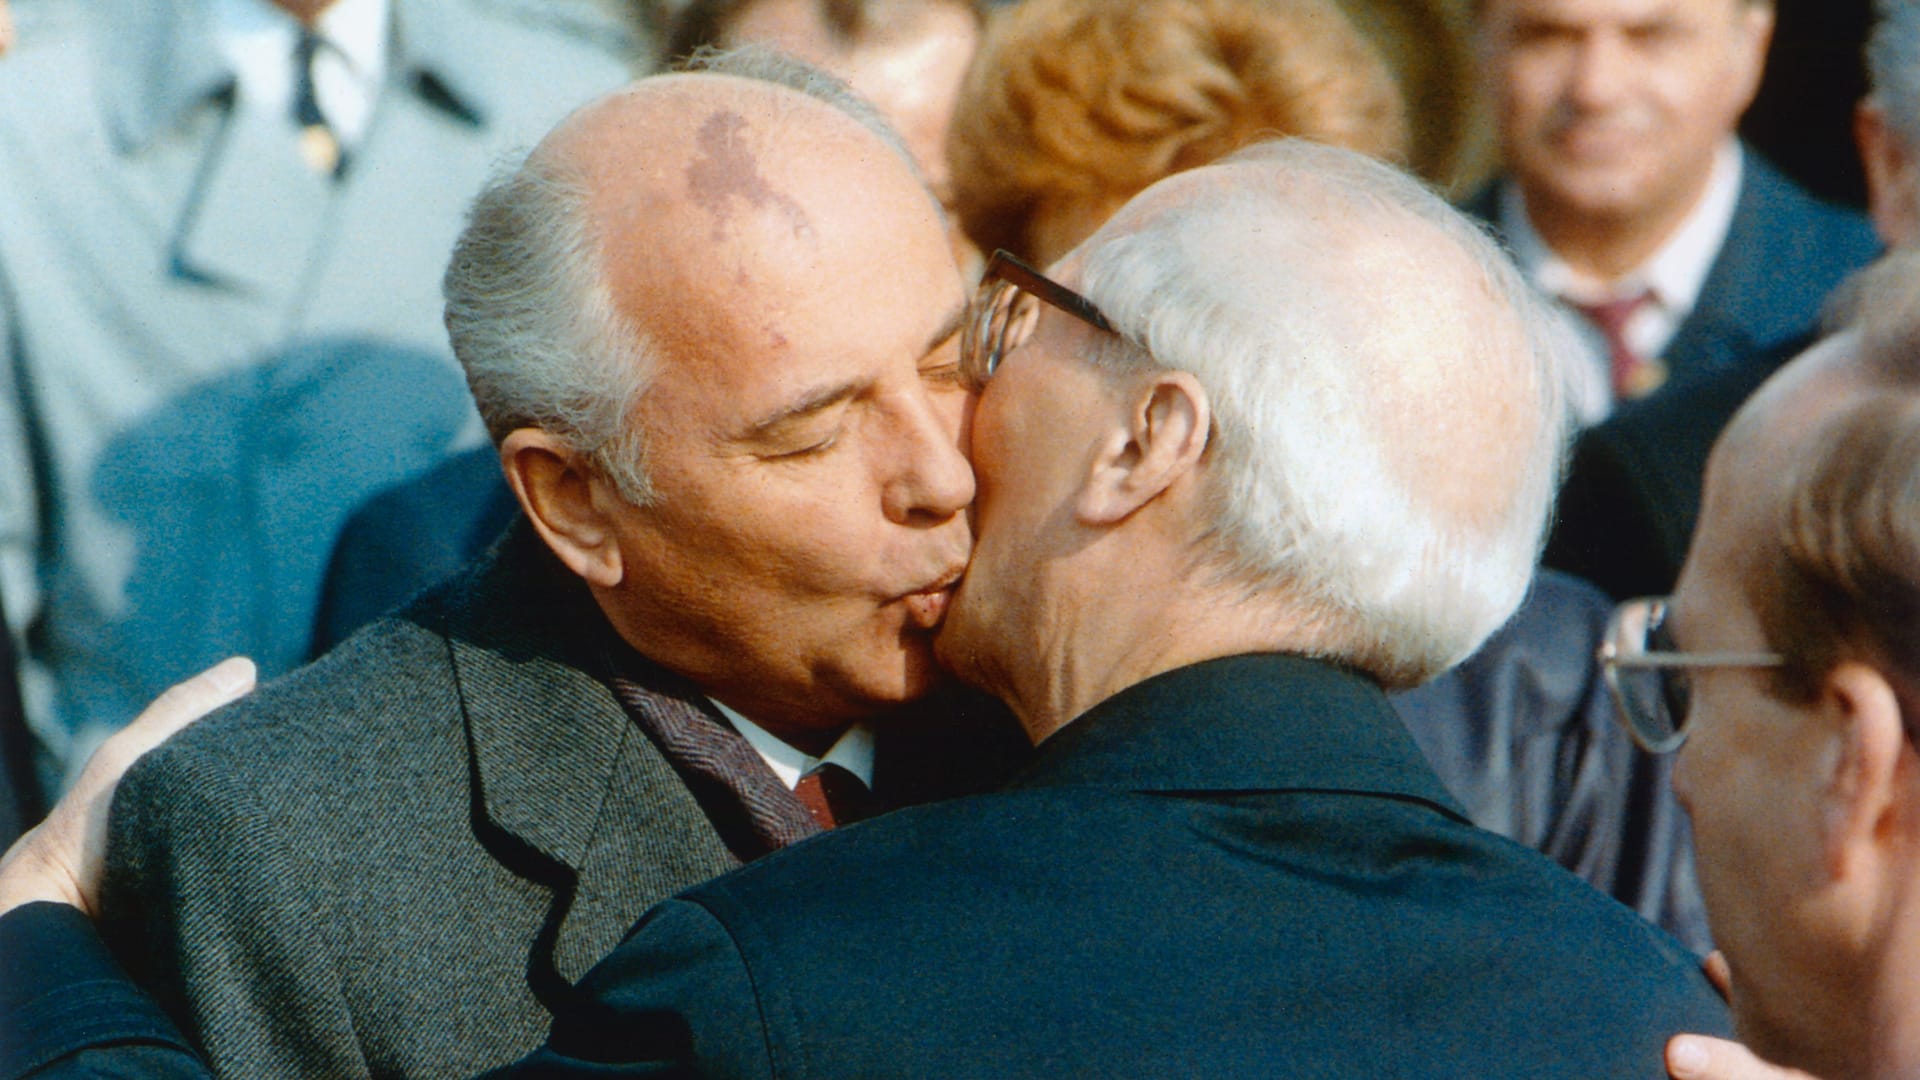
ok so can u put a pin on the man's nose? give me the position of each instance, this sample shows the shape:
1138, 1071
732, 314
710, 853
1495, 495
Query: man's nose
929, 480
1604, 70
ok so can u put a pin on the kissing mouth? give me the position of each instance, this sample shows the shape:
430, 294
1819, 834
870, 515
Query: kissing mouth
926, 607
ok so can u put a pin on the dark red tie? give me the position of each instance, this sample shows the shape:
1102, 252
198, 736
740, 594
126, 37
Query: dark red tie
1634, 375
834, 796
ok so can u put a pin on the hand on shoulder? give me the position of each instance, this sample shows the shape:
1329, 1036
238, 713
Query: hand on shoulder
63, 858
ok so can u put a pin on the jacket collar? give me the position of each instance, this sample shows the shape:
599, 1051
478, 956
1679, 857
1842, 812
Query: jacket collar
544, 730
1258, 722
1747, 302
160, 63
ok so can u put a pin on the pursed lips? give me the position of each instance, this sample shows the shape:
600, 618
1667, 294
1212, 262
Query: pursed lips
927, 606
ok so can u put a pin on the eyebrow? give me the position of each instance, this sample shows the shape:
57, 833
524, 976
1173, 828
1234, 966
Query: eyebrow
814, 401
948, 330
826, 397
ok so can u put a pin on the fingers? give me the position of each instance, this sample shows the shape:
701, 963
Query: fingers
1701, 1057
179, 706
63, 859
1719, 973
188, 701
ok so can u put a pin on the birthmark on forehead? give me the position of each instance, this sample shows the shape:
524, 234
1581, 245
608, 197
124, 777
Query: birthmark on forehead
727, 171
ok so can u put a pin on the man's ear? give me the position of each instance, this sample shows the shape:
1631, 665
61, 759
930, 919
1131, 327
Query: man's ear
1869, 803
567, 501
1892, 197
1163, 438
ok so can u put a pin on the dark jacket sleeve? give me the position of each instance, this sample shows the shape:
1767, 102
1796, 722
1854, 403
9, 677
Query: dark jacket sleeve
1524, 735
67, 1010
674, 999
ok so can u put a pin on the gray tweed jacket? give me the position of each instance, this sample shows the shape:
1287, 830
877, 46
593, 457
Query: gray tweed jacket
394, 862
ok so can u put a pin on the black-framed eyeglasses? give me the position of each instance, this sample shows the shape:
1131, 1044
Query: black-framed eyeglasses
1005, 309
1648, 676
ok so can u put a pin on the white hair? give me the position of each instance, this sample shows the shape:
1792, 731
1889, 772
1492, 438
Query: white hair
1248, 287
1893, 67
528, 310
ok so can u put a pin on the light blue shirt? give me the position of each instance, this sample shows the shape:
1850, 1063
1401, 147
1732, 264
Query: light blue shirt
213, 352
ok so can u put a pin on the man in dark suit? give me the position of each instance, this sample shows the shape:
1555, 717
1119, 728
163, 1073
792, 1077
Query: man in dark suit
1227, 858
1629, 198
743, 500
1632, 493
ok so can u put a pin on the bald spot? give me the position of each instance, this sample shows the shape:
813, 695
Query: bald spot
709, 191
1457, 396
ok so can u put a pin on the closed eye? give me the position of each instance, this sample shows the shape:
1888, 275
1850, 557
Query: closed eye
811, 450
945, 377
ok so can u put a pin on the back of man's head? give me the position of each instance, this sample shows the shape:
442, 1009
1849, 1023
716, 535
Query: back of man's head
1799, 769
1386, 394
1846, 582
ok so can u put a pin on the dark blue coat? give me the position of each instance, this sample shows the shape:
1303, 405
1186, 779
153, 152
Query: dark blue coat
1241, 868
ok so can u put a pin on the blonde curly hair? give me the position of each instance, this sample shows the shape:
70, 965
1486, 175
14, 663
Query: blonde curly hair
1089, 101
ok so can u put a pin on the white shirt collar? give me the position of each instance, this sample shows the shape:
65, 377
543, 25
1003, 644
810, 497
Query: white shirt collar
1674, 273
853, 751
257, 38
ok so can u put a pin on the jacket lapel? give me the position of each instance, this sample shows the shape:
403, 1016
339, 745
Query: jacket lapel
557, 766
169, 96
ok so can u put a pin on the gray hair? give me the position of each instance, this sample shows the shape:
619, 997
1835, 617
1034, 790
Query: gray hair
1306, 499
528, 310
1893, 67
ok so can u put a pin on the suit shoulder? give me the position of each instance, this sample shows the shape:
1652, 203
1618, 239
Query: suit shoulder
1799, 218
390, 688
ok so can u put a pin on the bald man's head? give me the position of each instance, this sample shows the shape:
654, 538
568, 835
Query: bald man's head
1373, 359
724, 391
703, 189
530, 304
